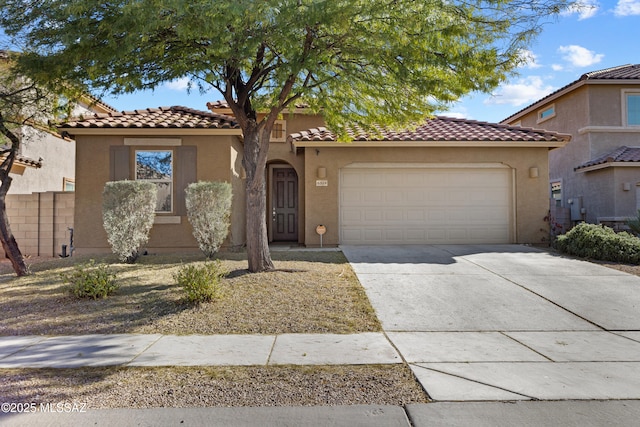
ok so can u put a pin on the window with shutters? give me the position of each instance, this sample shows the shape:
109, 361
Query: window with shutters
157, 166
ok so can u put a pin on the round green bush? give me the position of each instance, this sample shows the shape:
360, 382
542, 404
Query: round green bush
600, 243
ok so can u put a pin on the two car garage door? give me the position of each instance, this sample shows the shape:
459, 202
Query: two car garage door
426, 205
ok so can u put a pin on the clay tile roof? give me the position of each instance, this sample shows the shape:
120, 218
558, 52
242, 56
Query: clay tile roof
160, 118
622, 72
440, 129
26, 161
621, 154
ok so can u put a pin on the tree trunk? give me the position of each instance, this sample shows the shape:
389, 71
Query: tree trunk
255, 163
9, 243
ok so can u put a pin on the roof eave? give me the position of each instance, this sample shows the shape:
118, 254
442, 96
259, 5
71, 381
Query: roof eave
468, 144
607, 165
148, 131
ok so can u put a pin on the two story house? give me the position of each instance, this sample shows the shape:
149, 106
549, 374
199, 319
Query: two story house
596, 177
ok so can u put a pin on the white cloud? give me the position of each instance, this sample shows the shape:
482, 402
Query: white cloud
579, 56
179, 85
627, 8
524, 91
557, 67
585, 9
529, 59
462, 114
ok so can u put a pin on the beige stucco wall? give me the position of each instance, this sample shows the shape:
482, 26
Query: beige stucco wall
215, 162
58, 163
531, 194
593, 115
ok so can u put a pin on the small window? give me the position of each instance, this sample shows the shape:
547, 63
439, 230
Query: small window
68, 184
157, 167
279, 131
556, 192
633, 109
547, 113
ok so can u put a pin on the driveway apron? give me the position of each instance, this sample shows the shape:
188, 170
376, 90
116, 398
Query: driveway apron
505, 322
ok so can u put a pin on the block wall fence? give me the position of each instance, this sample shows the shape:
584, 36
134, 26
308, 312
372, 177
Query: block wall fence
40, 222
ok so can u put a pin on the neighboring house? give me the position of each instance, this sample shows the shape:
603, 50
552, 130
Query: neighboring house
46, 161
448, 181
596, 177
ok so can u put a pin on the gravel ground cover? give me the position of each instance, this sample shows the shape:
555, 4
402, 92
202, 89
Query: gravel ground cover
310, 292
100, 388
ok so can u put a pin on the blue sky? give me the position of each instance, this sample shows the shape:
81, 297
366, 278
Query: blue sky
601, 34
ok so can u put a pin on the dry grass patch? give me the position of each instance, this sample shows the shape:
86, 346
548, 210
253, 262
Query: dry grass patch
102, 388
311, 292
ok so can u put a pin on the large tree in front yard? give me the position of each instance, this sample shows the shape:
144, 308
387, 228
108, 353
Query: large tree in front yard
23, 104
358, 62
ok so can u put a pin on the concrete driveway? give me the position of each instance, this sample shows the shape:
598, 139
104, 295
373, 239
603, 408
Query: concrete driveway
506, 322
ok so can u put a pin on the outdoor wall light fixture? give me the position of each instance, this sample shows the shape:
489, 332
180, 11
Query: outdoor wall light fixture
321, 172
533, 172
626, 186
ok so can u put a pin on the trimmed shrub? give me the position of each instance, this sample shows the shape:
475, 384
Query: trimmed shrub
208, 210
128, 210
601, 243
201, 283
634, 224
91, 280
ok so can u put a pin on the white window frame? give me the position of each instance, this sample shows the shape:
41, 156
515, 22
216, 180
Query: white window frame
625, 106
159, 181
542, 111
67, 183
560, 183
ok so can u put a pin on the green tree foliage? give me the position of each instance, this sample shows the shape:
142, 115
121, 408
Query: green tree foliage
24, 103
208, 210
358, 62
128, 211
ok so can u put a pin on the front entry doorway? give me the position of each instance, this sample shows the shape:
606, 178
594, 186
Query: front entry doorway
284, 204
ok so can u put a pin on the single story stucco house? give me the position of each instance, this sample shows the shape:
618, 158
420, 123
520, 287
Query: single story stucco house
447, 181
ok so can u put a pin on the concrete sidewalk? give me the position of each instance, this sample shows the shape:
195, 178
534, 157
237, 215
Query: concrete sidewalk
195, 350
453, 414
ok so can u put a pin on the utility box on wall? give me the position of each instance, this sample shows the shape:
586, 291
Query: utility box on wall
577, 211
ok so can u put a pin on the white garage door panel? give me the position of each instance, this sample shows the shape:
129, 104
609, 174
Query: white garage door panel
435, 206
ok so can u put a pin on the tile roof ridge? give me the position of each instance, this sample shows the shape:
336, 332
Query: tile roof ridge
592, 74
501, 125
197, 112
